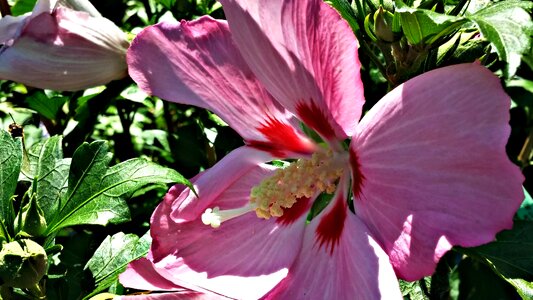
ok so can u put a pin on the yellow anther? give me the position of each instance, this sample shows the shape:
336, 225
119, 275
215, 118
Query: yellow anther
303, 178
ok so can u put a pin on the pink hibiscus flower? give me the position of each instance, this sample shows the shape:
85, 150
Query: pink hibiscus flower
426, 167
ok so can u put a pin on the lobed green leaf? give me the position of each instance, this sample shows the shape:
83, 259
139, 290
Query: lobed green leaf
10, 164
112, 257
96, 194
508, 26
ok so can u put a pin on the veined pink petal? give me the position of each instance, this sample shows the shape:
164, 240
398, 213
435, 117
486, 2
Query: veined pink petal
65, 50
197, 63
173, 296
306, 56
354, 268
244, 258
141, 275
434, 169
187, 206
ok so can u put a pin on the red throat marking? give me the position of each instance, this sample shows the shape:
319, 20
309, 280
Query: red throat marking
357, 176
282, 139
314, 117
329, 230
290, 215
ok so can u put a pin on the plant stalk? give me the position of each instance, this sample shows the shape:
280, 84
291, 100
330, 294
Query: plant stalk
5, 9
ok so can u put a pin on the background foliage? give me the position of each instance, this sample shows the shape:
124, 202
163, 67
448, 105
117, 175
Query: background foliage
106, 156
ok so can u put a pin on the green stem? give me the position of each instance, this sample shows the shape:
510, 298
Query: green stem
96, 106
5, 9
374, 59
360, 12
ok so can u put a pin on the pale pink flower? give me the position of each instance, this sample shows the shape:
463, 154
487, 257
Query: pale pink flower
56, 47
426, 165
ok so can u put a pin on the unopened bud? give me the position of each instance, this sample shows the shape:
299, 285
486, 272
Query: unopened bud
62, 49
383, 25
22, 264
31, 219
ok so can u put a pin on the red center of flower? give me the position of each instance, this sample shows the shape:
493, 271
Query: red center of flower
329, 230
282, 139
314, 117
290, 215
357, 176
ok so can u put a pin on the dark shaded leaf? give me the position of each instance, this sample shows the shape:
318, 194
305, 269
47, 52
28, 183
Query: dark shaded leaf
511, 256
475, 280
47, 107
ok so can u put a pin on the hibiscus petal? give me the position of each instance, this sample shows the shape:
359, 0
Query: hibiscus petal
354, 268
243, 258
197, 63
430, 167
186, 206
141, 275
172, 296
306, 56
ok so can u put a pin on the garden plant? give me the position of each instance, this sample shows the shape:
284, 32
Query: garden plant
266, 149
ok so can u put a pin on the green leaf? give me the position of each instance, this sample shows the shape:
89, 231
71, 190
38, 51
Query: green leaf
475, 280
22, 6
413, 290
96, 194
347, 12
46, 107
49, 173
168, 4
508, 26
112, 257
421, 26
511, 256
10, 163
525, 212
89, 165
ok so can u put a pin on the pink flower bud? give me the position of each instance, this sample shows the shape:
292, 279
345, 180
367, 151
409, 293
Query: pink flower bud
59, 48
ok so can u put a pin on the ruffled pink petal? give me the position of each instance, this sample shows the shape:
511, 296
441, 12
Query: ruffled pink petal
430, 169
173, 296
350, 266
65, 50
141, 275
306, 56
244, 258
197, 63
186, 206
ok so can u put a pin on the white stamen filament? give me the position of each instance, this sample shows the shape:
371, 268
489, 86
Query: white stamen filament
214, 216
